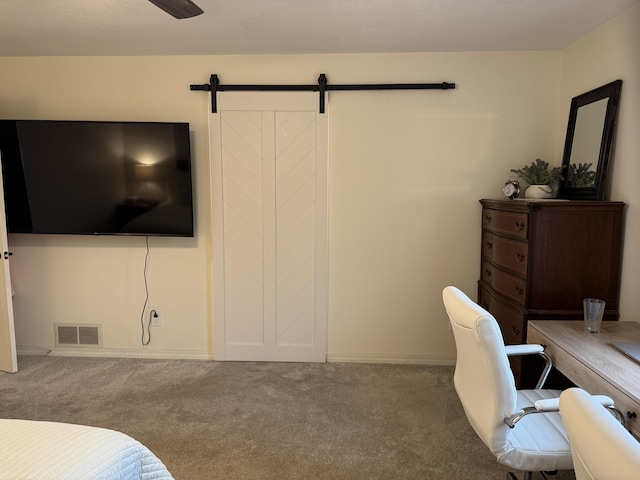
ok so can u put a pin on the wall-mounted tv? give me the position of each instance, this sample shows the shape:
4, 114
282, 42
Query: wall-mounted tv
97, 178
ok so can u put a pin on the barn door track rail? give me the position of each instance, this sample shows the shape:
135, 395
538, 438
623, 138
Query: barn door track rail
322, 87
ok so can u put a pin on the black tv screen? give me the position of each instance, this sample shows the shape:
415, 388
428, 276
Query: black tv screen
97, 178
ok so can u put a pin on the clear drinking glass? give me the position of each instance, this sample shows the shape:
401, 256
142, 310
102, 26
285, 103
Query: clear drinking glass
593, 313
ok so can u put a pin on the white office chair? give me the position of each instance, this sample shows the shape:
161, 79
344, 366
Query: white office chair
514, 424
602, 448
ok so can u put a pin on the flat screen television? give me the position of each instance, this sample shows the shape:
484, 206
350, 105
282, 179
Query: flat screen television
97, 178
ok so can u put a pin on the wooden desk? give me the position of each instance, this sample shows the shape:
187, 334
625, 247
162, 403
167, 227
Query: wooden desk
591, 363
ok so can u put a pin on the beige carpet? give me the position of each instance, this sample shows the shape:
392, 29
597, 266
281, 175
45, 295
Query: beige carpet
209, 420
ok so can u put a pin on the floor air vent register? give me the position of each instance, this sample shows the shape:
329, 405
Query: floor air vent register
74, 335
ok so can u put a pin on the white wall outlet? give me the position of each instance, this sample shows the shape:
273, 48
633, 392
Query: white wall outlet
156, 319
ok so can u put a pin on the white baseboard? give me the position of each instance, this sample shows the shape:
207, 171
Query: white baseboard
438, 360
116, 352
444, 360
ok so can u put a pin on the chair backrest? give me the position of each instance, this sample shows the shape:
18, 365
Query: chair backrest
601, 447
483, 379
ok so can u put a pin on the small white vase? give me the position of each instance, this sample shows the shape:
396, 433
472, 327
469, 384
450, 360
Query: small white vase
538, 191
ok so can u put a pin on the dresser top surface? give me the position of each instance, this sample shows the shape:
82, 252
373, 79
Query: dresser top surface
526, 204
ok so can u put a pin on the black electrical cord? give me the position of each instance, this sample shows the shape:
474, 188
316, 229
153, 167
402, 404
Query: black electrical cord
146, 299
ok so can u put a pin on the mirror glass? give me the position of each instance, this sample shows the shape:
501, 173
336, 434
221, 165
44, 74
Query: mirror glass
590, 132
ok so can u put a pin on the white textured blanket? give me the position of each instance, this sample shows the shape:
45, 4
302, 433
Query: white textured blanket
32, 450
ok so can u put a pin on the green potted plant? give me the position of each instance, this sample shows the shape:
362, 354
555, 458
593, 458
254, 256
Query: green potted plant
540, 176
581, 175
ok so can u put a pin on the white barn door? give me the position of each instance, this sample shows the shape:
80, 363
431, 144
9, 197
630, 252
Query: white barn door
269, 184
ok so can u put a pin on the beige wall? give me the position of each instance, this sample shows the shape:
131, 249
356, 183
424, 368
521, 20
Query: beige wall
406, 172
606, 54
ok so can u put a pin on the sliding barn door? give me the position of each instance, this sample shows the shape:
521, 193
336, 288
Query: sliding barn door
269, 184
8, 358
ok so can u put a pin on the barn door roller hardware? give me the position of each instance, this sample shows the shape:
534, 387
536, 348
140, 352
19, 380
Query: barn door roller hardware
322, 86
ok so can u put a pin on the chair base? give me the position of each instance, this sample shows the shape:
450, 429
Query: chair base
529, 475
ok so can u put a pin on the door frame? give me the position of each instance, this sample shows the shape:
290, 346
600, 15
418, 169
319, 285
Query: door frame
8, 355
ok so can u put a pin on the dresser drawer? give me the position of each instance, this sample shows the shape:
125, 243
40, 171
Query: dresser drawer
512, 255
513, 224
510, 319
510, 286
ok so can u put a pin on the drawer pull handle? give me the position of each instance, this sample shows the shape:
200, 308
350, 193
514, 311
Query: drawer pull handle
519, 290
487, 272
485, 306
489, 245
515, 331
520, 257
631, 415
520, 226
487, 218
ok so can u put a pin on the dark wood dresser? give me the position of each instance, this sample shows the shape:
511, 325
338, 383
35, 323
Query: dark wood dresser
540, 259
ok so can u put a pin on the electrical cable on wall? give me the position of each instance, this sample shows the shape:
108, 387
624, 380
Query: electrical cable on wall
146, 300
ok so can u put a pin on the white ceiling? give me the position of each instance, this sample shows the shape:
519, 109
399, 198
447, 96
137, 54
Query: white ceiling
137, 27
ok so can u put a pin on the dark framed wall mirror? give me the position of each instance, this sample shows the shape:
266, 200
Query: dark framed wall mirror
589, 142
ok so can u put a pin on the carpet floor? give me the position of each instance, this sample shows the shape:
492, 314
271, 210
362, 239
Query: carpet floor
235, 420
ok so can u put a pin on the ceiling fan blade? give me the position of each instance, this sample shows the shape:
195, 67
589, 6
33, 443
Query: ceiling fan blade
178, 8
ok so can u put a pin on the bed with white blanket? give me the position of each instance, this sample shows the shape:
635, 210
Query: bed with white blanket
33, 450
